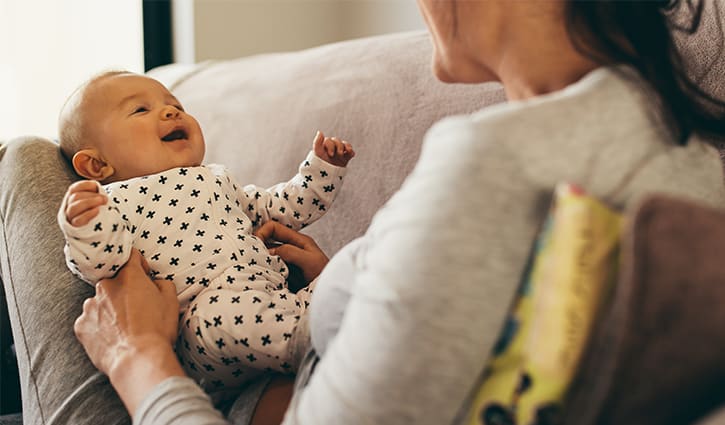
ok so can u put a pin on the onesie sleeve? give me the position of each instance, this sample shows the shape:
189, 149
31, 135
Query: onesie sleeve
98, 249
298, 202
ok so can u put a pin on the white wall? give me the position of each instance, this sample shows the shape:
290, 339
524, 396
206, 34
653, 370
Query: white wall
48, 47
235, 28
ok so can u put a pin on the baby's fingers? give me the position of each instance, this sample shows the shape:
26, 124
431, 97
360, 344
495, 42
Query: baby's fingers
318, 141
339, 147
81, 207
83, 218
83, 186
330, 147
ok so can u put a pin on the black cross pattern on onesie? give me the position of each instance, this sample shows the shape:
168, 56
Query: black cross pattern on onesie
195, 227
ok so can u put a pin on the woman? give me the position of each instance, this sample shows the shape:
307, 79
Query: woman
597, 97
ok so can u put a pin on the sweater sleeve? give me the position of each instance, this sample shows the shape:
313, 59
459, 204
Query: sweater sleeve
299, 201
180, 401
432, 282
177, 401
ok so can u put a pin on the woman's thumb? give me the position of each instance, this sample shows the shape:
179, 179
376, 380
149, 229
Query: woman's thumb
166, 287
289, 253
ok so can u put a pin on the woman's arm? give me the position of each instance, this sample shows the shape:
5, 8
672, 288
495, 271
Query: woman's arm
431, 284
128, 329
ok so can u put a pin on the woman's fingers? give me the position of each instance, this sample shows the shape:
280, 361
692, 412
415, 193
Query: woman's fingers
137, 258
276, 232
311, 260
290, 253
296, 248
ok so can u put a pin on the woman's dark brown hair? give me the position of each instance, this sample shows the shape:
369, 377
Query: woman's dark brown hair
641, 34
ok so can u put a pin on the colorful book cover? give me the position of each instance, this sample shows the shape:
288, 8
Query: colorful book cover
571, 271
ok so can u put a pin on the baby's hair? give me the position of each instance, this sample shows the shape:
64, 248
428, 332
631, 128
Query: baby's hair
71, 123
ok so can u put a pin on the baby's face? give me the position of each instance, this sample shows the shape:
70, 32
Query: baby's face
140, 128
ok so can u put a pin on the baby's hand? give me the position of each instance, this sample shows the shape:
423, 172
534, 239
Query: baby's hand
332, 150
82, 202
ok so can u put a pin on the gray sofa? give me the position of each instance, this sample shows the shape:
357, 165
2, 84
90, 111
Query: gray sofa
259, 115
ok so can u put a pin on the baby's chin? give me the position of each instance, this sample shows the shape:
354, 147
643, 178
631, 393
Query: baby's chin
189, 163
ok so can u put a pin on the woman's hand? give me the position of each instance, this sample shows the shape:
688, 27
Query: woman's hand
295, 248
128, 330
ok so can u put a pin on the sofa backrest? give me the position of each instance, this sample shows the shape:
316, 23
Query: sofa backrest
259, 115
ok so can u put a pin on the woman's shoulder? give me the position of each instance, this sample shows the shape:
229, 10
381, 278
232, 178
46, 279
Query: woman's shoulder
610, 108
601, 98
601, 128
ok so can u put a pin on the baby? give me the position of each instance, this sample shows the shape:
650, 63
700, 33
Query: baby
192, 223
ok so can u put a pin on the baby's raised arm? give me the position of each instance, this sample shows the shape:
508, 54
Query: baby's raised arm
307, 196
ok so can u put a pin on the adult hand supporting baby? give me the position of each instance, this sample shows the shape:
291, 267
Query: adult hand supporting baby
128, 330
296, 248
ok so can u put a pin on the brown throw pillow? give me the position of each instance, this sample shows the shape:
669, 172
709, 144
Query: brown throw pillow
658, 353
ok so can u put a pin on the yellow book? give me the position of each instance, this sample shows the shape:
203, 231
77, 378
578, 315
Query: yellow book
573, 267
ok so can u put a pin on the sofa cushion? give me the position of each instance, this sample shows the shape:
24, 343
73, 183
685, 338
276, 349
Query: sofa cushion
656, 356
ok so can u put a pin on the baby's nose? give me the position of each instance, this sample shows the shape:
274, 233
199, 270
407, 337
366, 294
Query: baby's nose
170, 112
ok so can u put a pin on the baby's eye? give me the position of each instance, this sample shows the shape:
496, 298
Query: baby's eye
179, 107
140, 109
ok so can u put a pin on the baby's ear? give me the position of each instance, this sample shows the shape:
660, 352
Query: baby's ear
89, 164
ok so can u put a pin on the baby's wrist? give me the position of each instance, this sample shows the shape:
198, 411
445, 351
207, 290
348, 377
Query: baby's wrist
323, 161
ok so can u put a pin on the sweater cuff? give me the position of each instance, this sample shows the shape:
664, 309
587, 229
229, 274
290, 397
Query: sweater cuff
177, 400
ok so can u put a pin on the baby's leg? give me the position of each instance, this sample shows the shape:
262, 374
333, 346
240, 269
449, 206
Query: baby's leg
229, 336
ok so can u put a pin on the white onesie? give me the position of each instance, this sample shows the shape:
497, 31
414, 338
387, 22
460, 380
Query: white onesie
195, 227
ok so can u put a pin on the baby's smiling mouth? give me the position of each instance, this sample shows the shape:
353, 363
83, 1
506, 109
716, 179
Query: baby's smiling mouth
175, 135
